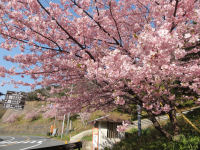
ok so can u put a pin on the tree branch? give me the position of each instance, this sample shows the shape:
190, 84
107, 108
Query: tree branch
97, 9
176, 7
174, 14
68, 34
120, 39
20, 40
46, 38
98, 23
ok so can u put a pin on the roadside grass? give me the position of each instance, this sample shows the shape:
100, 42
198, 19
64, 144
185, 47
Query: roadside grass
151, 139
87, 138
2, 110
65, 138
78, 127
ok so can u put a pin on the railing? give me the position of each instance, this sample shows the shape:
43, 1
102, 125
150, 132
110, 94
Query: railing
71, 146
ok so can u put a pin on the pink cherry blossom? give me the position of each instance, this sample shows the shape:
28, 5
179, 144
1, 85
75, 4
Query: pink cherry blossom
115, 54
120, 101
123, 127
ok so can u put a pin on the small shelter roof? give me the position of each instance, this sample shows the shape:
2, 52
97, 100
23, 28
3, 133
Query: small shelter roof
107, 118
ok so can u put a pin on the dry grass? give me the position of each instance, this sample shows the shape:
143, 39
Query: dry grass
2, 111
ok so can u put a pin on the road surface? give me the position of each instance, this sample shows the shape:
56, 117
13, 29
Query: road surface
26, 142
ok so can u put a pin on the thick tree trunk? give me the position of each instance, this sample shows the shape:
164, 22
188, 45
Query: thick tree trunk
173, 119
158, 126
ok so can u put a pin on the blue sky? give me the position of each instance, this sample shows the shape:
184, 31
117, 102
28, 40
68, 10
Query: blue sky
8, 65
9, 87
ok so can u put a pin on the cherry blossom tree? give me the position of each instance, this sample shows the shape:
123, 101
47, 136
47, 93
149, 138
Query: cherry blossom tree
142, 52
84, 117
31, 116
12, 118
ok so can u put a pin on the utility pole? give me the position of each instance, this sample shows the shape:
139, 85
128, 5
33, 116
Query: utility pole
139, 120
55, 120
68, 115
63, 124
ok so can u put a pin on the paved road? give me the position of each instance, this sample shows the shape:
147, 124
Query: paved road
26, 142
147, 123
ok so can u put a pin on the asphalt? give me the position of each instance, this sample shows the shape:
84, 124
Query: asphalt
26, 142
145, 123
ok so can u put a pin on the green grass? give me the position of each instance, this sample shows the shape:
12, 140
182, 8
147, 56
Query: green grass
151, 139
87, 138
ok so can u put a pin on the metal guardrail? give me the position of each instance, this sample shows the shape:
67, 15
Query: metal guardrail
71, 146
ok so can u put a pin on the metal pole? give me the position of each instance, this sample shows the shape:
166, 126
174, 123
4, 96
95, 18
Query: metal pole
139, 119
63, 124
68, 116
55, 120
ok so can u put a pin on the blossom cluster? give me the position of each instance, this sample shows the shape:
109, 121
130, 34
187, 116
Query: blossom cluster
12, 118
32, 115
130, 51
123, 127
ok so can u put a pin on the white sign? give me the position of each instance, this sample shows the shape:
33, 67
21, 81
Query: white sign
54, 132
95, 138
14, 100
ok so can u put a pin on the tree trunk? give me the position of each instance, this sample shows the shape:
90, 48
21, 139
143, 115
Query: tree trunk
173, 119
157, 125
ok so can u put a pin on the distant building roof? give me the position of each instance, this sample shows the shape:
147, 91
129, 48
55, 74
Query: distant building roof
107, 118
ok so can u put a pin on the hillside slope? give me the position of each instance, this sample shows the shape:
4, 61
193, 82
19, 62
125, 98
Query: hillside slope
2, 110
41, 125
23, 126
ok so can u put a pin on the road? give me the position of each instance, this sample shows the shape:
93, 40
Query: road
147, 123
26, 142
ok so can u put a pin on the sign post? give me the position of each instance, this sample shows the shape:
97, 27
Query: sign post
139, 119
63, 124
95, 138
67, 128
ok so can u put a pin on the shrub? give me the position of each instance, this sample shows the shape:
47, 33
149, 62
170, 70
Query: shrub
34, 115
12, 118
84, 117
87, 138
50, 113
184, 143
